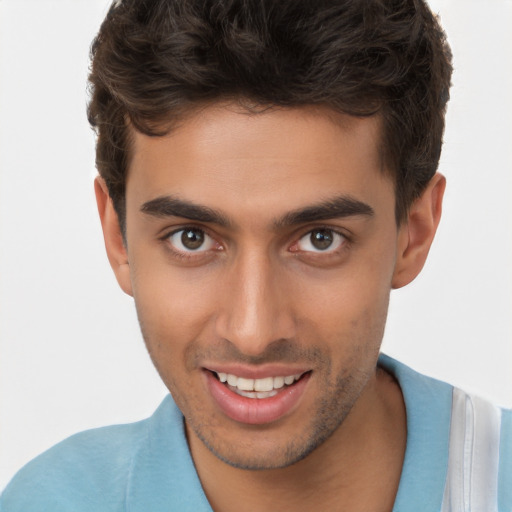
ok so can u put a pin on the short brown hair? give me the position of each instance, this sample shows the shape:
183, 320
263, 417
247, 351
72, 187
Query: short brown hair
154, 60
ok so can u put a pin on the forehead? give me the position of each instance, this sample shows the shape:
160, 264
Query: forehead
286, 157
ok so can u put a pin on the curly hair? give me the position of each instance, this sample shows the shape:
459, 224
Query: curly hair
155, 60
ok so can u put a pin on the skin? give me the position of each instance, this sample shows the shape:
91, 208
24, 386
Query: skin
258, 293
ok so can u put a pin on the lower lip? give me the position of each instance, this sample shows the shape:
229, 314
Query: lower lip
256, 411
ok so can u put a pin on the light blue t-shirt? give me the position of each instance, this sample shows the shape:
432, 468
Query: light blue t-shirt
147, 466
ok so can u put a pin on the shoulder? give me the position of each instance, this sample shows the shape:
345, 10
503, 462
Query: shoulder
480, 458
88, 471
459, 443
65, 475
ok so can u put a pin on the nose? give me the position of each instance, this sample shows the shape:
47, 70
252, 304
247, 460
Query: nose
256, 307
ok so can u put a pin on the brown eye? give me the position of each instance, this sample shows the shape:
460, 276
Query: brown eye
191, 240
321, 240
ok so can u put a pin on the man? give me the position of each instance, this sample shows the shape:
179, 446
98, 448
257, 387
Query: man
267, 176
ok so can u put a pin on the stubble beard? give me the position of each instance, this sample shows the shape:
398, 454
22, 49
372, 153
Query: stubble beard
333, 409
340, 394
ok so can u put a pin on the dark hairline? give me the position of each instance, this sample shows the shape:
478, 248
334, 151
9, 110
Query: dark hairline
153, 63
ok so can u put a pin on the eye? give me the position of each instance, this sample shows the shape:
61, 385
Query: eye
320, 240
191, 240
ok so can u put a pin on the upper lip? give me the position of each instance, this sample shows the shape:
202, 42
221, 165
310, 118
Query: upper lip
257, 372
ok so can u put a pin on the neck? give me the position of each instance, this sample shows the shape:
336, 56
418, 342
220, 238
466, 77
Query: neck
357, 469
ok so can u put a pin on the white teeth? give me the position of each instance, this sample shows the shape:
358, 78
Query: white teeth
263, 387
266, 394
259, 394
246, 384
278, 382
264, 384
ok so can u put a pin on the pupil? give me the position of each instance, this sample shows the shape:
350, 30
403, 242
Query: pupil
192, 238
321, 238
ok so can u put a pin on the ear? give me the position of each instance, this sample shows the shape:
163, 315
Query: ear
417, 233
114, 244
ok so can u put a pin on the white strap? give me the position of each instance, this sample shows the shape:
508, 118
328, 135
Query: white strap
472, 477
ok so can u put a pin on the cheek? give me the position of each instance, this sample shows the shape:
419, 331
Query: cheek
351, 318
173, 306
169, 291
348, 306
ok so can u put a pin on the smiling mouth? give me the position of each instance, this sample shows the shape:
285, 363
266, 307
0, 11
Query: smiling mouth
266, 387
257, 401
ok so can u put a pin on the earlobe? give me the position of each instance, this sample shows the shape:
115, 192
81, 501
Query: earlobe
114, 243
417, 233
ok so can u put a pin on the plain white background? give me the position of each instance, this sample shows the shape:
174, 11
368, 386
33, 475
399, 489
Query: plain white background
71, 354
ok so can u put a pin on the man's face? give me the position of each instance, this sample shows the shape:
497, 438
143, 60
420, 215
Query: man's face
261, 250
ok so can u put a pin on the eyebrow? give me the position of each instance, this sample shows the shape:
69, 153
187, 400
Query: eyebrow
169, 206
334, 208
